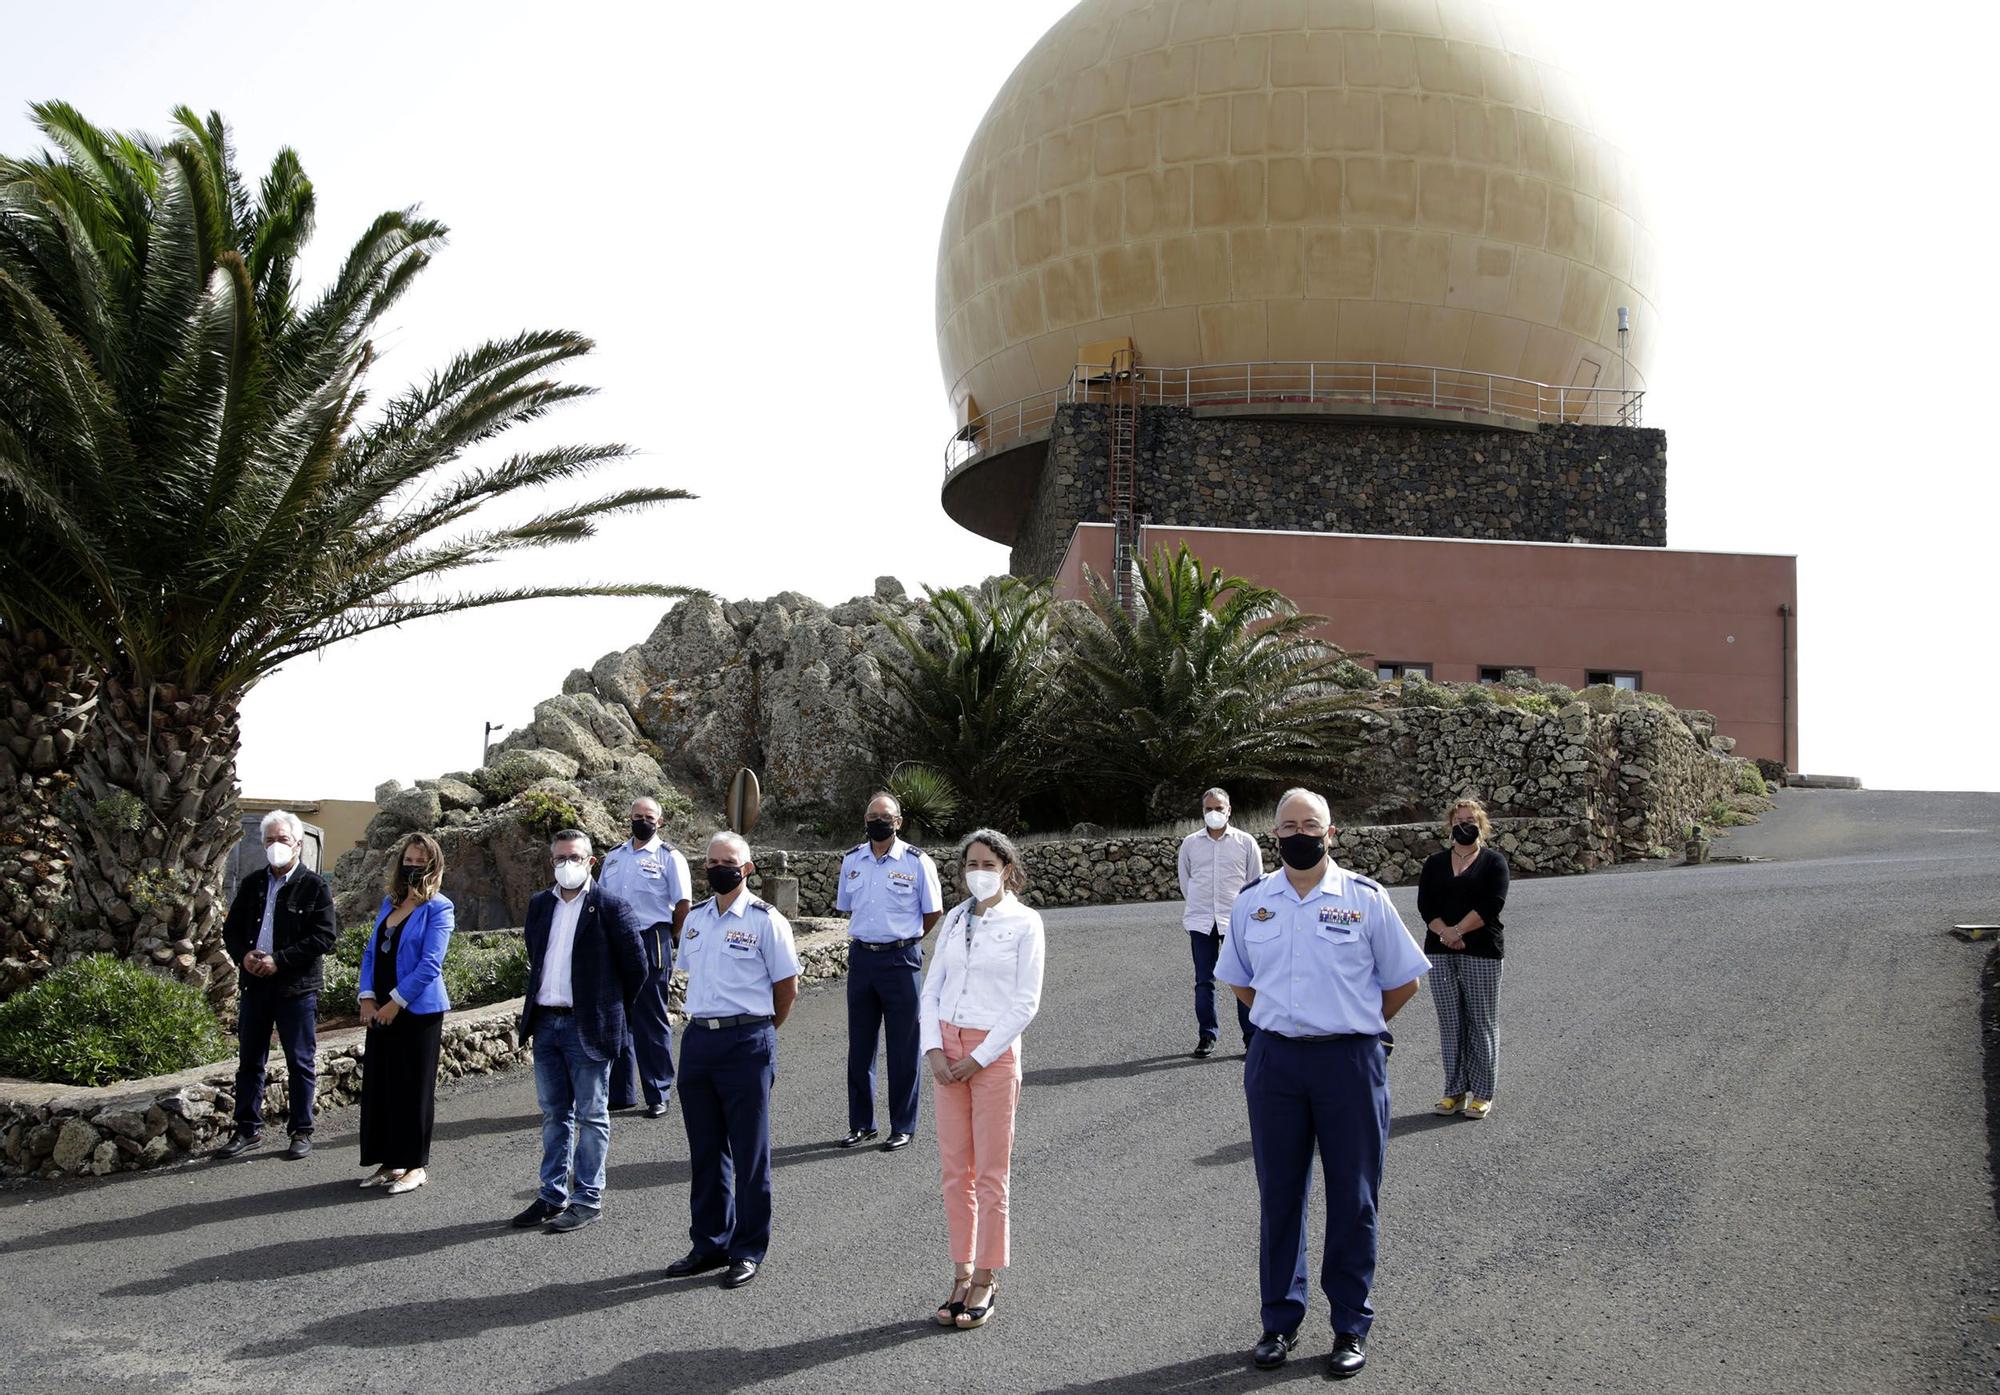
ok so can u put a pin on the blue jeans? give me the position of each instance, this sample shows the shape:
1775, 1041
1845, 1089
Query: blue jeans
296, 1019
574, 1091
1207, 949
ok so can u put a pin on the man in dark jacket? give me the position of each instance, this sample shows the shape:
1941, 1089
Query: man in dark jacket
586, 965
279, 927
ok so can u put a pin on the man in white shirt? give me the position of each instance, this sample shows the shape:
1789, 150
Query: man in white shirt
1217, 861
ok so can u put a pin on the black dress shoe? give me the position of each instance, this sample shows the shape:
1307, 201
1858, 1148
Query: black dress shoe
299, 1148
537, 1211
1203, 1049
858, 1137
896, 1140
657, 1111
694, 1262
573, 1218
1272, 1348
741, 1272
241, 1143
1349, 1355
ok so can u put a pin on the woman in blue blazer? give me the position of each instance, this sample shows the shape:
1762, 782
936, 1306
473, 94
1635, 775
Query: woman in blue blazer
403, 1004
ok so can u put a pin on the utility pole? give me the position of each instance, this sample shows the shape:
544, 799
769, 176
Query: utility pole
486, 745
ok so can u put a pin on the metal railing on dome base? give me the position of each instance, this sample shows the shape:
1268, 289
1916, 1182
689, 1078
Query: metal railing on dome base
1377, 386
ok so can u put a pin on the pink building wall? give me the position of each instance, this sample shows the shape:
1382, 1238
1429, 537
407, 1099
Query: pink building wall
1703, 628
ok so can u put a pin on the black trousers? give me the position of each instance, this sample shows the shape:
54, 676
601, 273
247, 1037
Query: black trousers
399, 1090
296, 1018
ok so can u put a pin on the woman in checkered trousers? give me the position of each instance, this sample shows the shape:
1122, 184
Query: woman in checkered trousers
1460, 897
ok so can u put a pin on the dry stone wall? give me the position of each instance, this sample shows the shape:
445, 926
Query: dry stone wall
1111, 870
1558, 483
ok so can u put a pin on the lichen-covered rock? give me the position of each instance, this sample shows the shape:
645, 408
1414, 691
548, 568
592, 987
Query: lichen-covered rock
74, 1144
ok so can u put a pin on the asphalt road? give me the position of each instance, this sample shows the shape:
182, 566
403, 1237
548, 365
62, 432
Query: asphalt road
1739, 1146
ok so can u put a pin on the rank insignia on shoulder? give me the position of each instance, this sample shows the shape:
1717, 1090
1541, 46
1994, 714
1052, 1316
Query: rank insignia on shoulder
1262, 913
1371, 885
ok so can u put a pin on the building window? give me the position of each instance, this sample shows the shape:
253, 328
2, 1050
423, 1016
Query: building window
1611, 676
1497, 673
1389, 673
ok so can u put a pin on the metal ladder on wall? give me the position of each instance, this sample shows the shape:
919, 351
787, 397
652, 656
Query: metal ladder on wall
1123, 490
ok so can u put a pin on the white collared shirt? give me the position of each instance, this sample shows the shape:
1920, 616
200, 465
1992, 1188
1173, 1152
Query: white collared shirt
555, 990
1214, 872
271, 890
986, 973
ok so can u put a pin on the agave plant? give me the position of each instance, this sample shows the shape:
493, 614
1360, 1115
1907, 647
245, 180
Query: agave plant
1210, 681
927, 799
975, 695
196, 488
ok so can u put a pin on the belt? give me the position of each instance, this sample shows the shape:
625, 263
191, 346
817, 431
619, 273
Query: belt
1325, 1036
883, 947
715, 1023
555, 1011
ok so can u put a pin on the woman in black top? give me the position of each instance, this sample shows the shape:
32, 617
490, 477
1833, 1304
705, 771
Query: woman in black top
403, 1003
1460, 897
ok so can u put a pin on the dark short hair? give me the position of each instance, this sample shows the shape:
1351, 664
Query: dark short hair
570, 835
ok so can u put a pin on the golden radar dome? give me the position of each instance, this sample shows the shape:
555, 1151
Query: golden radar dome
1248, 181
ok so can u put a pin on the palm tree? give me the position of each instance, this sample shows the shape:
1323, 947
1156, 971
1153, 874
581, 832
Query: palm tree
1210, 681
977, 698
45, 705
205, 493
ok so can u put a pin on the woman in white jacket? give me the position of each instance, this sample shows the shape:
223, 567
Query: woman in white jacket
984, 984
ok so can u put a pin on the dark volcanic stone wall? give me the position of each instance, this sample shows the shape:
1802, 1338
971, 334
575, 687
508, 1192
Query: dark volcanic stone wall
1597, 484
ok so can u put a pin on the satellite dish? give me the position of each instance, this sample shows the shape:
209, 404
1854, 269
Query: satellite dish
743, 802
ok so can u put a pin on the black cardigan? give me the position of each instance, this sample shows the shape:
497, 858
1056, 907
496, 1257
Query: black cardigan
1482, 888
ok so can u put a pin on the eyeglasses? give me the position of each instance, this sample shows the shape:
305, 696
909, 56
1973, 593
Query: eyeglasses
1312, 827
575, 858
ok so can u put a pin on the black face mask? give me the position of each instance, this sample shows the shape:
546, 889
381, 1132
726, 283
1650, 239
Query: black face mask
643, 830
1302, 851
1465, 834
723, 880
880, 830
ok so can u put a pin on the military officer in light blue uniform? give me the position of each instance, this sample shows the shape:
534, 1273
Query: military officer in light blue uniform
890, 893
1323, 961
649, 875
743, 977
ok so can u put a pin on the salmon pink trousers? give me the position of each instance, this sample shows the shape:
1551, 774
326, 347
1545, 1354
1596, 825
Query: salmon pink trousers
975, 1124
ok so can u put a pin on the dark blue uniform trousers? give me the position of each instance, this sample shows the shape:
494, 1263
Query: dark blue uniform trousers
726, 1077
649, 1043
882, 993
1333, 1095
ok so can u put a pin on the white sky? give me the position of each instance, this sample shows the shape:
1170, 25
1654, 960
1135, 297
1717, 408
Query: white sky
741, 205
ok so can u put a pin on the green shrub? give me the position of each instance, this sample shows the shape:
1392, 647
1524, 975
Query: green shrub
339, 993
547, 814
348, 945
1750, 780
101, 1020
478, 974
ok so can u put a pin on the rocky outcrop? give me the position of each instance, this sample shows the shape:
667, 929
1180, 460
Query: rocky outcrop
779, 686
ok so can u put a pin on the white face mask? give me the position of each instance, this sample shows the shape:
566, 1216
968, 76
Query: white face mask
571, 875
279, 855
984, 886
1215, 818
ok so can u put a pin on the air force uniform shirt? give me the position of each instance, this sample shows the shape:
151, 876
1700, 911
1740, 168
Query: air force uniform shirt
651, 880
733, 957
886, 898
1319, 962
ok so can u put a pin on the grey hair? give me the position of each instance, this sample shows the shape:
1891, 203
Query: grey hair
1015, 876
648, 799
285, 817
569, 835
894, 802
1317, 800
734, 842
1218, 793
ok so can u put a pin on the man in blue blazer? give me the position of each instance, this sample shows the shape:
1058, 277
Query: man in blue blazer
586, 965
